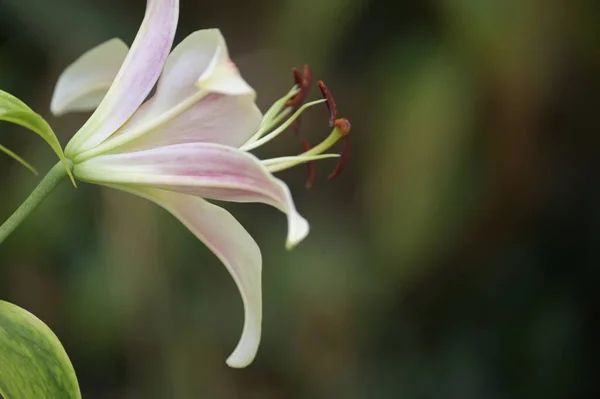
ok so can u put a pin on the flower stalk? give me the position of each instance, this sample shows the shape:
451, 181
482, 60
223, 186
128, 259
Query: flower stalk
48, 183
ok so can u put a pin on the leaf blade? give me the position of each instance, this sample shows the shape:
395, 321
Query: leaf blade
33, 363
15, 111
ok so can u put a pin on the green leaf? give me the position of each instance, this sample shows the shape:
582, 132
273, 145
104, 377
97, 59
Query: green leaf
16, 111
18, 159
33, 363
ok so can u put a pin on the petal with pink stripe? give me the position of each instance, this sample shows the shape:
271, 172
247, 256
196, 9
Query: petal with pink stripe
206, 170
180, 112
217, 118
135, 79
233, 245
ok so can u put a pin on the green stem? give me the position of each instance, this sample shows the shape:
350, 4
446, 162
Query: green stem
48, 183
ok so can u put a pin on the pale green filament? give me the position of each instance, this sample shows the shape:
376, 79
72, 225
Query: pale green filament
274, 162
274, 115
317, 150
280, 129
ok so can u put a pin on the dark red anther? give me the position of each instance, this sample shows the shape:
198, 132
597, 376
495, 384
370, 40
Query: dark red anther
303, 80
296, 126
342, 124
331, 106
311, 167
306, 79
297, 76
298, 99
344, 158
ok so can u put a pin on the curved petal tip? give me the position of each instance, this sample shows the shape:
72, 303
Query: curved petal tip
246, 350
298, 229
232, 244
221, 75
82, 86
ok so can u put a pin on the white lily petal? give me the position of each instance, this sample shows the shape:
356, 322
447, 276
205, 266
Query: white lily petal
135, 79
204, 169
180, 112
233, 245
83, 85
190, 59
209, 121
222, 76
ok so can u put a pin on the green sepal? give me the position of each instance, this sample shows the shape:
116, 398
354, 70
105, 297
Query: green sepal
16, 111
33, 363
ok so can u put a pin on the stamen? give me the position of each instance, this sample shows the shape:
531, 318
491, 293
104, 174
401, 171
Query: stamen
344, 125
296, 126
311, 168
331, 106
341, 129
282, 108
326, 144
316, 152
307, 80
257, 143
278, 163
297, 75
274, 115
341, 124
344, 158
303, 81
275, 111
298, 99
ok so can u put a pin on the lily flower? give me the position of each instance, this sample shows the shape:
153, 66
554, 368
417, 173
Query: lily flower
187, 144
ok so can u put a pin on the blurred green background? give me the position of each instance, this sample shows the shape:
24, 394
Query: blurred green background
456, 257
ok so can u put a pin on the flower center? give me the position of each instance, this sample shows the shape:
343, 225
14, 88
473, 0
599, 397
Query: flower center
291, 106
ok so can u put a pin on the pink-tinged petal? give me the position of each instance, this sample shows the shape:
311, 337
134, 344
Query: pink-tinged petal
207, 170
200, 116
83, 85
222, 76
135, 79
209, 121
232, 244
190, 59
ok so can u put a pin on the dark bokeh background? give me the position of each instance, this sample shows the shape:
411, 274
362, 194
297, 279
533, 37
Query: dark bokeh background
456, 257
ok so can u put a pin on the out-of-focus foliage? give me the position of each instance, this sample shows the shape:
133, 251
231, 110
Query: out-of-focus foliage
456, 256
